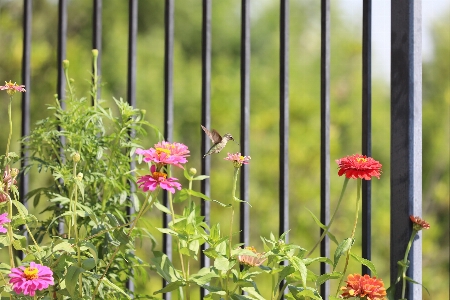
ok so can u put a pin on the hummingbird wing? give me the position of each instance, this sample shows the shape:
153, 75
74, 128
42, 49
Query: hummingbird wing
213, 135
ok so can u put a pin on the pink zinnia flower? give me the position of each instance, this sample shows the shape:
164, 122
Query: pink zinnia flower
237, 159
3, 219
12, 88
252, 260
28, 280
166, 153
359, 166
151, 182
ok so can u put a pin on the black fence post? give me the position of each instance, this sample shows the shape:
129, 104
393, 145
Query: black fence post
406, 138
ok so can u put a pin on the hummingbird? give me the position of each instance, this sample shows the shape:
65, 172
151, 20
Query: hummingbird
219, 142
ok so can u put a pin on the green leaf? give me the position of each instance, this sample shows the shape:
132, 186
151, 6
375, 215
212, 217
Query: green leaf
162, 208
114, 287
88, 263
341, 250
304, 293
201, 177
415, 282
298, 264
164, 267
365, 262
327, 276
170, 287
64, 246
71, 278
221, 263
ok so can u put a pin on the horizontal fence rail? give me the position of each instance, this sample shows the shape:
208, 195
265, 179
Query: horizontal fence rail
405, 124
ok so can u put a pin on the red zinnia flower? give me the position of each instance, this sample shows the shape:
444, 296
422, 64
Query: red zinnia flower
12, 88
359, 166
419, 224
364, 287
237, 159
151, 182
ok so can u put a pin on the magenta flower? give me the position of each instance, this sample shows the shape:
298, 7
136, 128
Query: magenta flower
237, 159
151, 182
165, 153
3, 219
12, 88
28, 280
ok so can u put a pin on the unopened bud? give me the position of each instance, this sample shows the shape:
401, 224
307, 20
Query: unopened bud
76, 157
14, 172
192, 171
65, 64
95, 52
80, 176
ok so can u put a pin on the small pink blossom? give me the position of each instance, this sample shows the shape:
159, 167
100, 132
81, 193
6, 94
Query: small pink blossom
12, 88
151, 182
3, 220
28, 280
237, 159
165, 153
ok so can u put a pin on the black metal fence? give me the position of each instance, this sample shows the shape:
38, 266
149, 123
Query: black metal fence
405, 112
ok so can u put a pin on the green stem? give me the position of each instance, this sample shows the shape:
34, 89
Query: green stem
332, 218
10, 235
75, 227
405, 262
358, 196
66, 75
10, 125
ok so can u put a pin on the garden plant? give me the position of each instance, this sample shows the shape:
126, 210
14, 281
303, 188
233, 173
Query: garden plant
95, 206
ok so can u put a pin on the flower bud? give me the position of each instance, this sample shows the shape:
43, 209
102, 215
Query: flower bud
76, 157
14, 172
80, 176
192, 171
65, 64
94, 52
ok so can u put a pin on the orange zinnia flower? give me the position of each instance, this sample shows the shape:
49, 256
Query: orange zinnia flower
364, 286
359, 166
419, 224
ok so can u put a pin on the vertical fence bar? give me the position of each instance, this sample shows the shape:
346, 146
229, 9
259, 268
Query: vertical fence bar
61, 85
325, 138
366, 129
206, 121
62, 49
97, 37
245, 121
406, 138
131, 86
168, 108
284, 120
26, 80
284, 117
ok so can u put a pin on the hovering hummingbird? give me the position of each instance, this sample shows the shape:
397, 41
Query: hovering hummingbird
219, 142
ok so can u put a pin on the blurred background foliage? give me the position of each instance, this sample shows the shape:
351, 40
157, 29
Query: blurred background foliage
304, 68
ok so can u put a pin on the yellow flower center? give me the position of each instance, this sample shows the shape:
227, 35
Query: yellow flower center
162, 150
31, 273
361, 160
157, 175
251, 248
